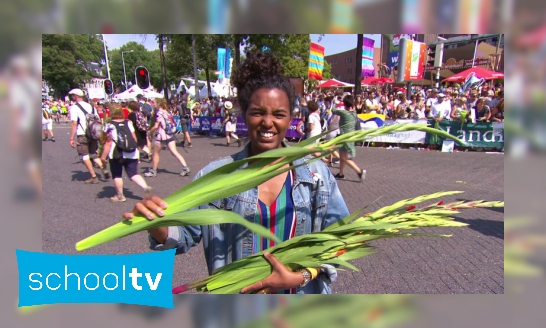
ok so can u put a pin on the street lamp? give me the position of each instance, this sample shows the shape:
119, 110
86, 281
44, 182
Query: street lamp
123, 64
105, 56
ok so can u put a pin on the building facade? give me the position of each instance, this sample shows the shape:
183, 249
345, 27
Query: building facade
344, 64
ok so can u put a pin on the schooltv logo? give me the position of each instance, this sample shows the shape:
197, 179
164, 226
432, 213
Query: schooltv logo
143, 279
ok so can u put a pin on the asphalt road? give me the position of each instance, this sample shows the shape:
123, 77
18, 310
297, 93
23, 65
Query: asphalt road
470, 262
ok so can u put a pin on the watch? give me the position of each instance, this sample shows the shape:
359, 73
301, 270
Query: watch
306, 277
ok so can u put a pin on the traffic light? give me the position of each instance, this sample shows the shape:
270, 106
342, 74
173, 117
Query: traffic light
108, 87
431, 54
435, 53
142, 77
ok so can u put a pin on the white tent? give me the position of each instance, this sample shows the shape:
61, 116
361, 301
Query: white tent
129, 94
149, 93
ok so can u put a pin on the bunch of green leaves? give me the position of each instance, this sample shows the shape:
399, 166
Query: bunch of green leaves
236, 177
341, 242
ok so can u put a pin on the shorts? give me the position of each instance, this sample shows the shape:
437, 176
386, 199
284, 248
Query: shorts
47, 126
184, 124
87, 147
117, 165
164, 142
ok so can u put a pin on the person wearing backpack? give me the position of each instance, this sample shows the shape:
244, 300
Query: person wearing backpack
87, 130
165, 126
140, 123
121, 148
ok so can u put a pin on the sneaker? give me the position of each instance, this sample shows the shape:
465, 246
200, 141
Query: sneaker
53, 139
362, 175
118, 198
227, 144
185, 172
339, 176
239, 142
44, 139
93, 180
105, 174
189, 145
335, 161
150, 173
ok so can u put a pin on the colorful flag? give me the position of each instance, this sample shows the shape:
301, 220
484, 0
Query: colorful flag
224, 66
316, 61
367, 58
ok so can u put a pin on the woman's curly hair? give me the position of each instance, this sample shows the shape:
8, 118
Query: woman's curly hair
261, 70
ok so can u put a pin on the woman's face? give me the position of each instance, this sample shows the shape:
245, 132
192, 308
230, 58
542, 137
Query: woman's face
268, 118
479, 105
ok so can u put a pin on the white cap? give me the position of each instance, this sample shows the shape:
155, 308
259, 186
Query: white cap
441, 95
228, 105
77, 92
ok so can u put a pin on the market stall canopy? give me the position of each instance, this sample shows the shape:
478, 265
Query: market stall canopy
149, 93
532, 39
333, 83
376, 80
478, 71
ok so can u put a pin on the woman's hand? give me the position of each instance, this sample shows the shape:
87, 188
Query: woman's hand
280, 279
150, 207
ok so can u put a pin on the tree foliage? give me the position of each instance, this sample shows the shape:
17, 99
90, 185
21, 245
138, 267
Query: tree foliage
65, 58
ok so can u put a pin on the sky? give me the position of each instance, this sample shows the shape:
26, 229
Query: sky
333, 43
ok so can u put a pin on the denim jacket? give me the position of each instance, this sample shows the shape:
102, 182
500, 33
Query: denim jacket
317, 201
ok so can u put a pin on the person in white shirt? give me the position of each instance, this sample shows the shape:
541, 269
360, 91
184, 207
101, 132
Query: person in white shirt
372, 105
441, 109
431, 100
87, 148
119, 159
314, 120
47, 123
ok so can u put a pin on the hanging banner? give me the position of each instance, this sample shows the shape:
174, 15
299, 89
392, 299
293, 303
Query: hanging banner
224, 63
486, 135
393, 60
368, 69
316, 61
411, 62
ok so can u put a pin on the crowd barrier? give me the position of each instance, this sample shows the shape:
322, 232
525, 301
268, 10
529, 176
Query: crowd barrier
483, 135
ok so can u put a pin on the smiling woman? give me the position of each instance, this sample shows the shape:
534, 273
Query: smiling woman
303, 200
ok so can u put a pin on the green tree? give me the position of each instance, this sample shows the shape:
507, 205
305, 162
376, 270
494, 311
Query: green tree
65, 58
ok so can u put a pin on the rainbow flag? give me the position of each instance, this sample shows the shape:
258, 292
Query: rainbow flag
316, 61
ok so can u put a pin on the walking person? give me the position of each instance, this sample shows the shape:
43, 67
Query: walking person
87, 147
230, 123
140, 123
165, 127
47, 124
120, 140
347, 124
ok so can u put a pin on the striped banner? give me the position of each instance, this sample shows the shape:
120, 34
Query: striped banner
368, 69
316, 61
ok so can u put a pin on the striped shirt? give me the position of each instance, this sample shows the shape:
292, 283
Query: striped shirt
279, 218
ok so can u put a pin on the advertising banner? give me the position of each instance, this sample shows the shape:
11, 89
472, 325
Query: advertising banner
410, 137
211, 124
411, 62
393, 60
316, 61
487, 135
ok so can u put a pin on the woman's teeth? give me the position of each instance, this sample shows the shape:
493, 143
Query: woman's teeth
267, 134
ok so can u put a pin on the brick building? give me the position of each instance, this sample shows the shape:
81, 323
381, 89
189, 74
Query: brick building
344, 64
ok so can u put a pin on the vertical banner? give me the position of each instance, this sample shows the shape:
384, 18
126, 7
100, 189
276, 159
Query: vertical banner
367, 58
222, 55
227, 64
316, 61
411, 62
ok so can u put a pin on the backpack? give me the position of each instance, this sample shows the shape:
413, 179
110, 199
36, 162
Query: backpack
141, 121
125, 141
94, 127
145, 109
45, 114
233, 118
170, 124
